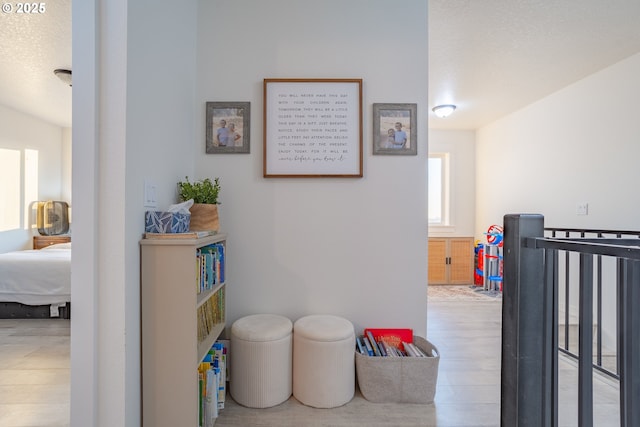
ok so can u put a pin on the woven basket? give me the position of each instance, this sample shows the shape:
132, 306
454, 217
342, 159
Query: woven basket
204, 217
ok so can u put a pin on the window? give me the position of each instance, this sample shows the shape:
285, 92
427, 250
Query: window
438, 188
30, 185
24, 188
10, 196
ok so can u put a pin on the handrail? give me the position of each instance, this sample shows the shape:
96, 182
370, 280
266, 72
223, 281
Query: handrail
609, 247
600, 239
529, 385
593, 231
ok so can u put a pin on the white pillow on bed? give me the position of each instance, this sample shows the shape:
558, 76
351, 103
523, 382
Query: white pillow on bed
58, 246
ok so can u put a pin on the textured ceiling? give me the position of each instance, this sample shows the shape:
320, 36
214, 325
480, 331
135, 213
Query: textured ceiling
493, 57
489, 57
31, 47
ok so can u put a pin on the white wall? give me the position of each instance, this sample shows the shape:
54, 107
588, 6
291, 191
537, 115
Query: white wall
133, 119
21, 131
351, 247
460, 144
134, 114
577, 145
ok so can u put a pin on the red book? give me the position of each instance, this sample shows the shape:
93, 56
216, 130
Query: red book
391, 336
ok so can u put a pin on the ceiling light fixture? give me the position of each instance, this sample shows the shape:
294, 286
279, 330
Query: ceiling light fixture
64, 75
443, 111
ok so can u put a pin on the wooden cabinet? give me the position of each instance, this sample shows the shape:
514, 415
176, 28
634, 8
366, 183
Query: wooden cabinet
40, 242
450, 261
174, 340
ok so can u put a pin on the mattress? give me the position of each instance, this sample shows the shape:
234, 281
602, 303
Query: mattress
36, 277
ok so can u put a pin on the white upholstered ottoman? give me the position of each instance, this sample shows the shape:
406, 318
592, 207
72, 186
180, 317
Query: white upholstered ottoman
323, 361
261, 360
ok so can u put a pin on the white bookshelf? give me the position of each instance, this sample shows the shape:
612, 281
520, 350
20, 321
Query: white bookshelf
170, 348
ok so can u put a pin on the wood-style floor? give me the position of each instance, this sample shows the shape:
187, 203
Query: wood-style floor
34, 380
34, 372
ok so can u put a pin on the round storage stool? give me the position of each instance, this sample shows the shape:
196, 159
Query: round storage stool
261, 360
323, 361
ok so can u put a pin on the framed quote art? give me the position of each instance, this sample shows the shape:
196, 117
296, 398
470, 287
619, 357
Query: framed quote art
312, 128
395, 130
228, 125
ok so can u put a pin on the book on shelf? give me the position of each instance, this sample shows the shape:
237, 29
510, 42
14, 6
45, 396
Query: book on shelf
212, 384
201, 393
207, 394
210, 264
198, 275
213, 379
220, 362
186, 235
210, 314
226, 345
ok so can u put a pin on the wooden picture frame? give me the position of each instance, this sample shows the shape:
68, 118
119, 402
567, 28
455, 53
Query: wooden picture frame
312, 128
395, 129
228, 127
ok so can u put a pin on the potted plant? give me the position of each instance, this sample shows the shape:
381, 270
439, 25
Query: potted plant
204, 212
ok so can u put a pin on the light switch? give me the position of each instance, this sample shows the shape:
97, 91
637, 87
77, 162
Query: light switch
150, 196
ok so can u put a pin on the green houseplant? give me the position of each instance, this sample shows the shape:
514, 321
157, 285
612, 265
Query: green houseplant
204, 212
203, 191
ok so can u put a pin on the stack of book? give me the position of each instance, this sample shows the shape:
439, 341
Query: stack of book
210, 262
210, 314
388, 343
212, 380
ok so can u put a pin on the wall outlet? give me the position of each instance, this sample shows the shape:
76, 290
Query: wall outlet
150, 196
582, 209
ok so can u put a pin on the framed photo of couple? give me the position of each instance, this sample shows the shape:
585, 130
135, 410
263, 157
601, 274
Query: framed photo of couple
228, 125
395, 129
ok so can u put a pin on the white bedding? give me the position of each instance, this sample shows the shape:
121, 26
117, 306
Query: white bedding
36, 277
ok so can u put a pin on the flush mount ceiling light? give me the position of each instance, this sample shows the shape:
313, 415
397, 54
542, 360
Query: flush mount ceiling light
443, 111
64, 75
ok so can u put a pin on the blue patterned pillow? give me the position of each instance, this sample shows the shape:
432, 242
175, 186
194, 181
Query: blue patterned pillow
166, 222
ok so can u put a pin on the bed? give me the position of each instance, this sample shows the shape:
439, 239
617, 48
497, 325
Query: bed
34, 283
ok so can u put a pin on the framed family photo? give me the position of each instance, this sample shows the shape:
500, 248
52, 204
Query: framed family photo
395, 129
228, 125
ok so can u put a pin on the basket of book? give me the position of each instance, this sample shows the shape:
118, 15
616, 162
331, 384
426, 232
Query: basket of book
396, 373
